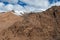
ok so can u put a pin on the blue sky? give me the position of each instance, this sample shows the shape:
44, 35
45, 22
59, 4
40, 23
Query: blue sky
52, 1
24, 4
27, 5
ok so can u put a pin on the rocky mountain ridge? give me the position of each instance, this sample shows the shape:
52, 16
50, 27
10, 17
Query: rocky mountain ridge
33, 26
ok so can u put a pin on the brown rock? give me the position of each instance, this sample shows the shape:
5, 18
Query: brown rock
33, 26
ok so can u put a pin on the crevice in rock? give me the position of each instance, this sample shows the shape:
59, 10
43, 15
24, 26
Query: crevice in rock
54, 14
55, 17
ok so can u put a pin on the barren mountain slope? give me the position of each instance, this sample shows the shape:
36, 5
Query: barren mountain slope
32, 26
8, 19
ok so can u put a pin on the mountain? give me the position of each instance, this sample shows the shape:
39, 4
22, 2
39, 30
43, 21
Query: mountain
31, 26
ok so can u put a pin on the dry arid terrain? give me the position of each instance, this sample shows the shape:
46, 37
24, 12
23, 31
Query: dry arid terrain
32, 26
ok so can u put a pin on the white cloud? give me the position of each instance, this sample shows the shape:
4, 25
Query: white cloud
18, 7
2, 7
10, 1
33, 6
57, 4
33, 9
37, 3
9, 7
31, 3
1, 4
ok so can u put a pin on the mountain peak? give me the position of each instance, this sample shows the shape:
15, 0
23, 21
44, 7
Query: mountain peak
54, 8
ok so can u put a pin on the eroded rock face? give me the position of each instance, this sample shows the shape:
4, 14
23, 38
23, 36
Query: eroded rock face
33, 26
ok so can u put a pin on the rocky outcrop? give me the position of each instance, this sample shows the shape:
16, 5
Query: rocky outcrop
33, 26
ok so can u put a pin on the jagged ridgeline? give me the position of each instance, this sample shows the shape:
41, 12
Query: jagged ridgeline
32, 26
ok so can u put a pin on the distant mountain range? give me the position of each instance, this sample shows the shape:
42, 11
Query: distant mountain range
31, 26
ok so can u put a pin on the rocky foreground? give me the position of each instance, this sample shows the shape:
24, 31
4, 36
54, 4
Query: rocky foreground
33, 26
